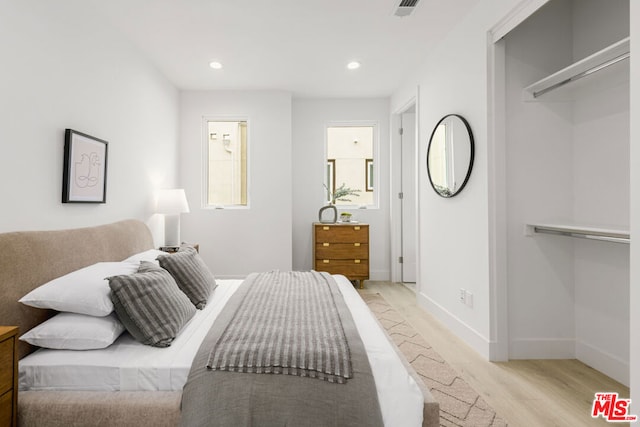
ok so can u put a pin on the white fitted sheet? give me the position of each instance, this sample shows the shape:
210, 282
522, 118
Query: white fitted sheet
128, 365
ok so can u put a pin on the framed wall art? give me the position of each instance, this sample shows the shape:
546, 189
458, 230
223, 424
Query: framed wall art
85, 168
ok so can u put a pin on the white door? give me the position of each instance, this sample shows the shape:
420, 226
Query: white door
408, 202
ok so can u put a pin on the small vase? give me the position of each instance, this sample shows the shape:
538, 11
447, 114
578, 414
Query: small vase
330, 208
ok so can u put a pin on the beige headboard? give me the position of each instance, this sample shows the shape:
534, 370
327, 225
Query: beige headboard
32, 258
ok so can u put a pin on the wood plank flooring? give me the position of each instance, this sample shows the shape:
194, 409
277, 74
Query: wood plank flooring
527, 393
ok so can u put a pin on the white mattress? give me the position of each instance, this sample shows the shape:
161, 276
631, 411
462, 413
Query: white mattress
129, 365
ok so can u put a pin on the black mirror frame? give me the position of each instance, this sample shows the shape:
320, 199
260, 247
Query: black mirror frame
471, 155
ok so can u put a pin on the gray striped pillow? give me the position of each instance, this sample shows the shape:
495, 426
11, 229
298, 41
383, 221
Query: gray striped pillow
191, 274
150, 305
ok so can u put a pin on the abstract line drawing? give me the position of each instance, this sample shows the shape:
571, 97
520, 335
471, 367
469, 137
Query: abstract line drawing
85, 168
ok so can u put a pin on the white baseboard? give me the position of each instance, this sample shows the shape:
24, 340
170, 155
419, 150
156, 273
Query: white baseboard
542, 348
466, 333
604, 362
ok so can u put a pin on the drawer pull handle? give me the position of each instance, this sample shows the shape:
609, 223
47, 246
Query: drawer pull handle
356, 244
325, 244
326, 261
356, 228
325, 228
357, 261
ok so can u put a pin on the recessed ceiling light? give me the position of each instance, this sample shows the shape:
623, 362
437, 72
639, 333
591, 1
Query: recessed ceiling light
215, 65
353, 65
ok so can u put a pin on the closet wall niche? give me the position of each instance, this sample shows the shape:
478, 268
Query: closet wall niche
567, 189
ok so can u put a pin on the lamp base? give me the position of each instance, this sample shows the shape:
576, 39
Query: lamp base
172, 230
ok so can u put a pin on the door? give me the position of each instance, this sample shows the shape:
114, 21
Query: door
408, 201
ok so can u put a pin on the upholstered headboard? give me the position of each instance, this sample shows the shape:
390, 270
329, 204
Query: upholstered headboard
32, 258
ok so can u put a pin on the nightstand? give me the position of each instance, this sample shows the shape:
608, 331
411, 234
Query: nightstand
342, 248
8, 376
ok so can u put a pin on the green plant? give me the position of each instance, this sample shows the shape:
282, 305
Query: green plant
341, 193
443, 191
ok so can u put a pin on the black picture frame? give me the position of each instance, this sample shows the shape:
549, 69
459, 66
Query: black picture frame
84, 178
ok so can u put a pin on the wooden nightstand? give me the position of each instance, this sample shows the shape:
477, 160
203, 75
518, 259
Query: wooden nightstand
342, 248
8, 376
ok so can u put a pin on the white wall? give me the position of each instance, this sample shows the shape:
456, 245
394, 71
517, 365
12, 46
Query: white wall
454, 233
236, 242
539, 167
601, 196
634, 300
60, 69
567, 163
310, 118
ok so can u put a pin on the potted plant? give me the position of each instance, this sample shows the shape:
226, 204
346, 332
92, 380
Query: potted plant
345, 217
340, 194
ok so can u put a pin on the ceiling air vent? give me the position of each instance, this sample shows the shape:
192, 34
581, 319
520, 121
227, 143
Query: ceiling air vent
405, 7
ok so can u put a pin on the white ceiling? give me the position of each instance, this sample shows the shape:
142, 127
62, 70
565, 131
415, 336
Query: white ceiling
301, 46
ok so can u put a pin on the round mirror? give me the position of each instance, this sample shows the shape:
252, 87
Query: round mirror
450, 155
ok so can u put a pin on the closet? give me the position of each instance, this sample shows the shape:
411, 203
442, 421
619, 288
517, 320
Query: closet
567, 184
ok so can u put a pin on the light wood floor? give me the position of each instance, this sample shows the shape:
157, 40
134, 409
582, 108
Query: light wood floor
526, 393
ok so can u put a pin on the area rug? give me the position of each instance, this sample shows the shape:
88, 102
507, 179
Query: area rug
460, 405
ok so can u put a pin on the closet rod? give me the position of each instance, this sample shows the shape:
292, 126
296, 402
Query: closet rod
607, 237
583, 74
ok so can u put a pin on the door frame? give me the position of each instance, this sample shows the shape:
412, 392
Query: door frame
496, 156
395, 186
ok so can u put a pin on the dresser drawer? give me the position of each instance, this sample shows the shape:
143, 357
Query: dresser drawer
342, 250
6, 365
342, 233
353, 269
6, 409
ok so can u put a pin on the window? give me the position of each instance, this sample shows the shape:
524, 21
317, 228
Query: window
350, 162
226, 163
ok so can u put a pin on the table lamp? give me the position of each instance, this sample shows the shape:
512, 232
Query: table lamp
172, 203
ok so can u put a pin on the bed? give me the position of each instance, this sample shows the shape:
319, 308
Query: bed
140, 390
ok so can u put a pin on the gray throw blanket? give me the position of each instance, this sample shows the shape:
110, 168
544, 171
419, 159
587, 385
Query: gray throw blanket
239, 399
288, 323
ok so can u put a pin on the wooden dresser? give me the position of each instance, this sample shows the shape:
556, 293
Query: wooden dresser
8, 376
342, 248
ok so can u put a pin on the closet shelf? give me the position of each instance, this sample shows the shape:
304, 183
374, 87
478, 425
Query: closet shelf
583, 232
608, 59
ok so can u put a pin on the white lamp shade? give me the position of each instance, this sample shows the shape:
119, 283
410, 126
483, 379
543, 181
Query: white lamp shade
171, 202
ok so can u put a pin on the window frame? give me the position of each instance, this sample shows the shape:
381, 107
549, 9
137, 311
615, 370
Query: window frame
375, 151
205, 161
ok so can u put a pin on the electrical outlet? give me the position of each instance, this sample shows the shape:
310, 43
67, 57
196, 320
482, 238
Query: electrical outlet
468, 298
463, 296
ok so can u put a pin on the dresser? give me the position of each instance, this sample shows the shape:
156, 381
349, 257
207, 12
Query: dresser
8, 376
342, 248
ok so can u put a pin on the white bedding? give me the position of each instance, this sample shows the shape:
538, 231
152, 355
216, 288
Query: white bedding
129, 365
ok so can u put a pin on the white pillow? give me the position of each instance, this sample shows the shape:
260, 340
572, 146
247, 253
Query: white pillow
84, 291
149, 255
71, 331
